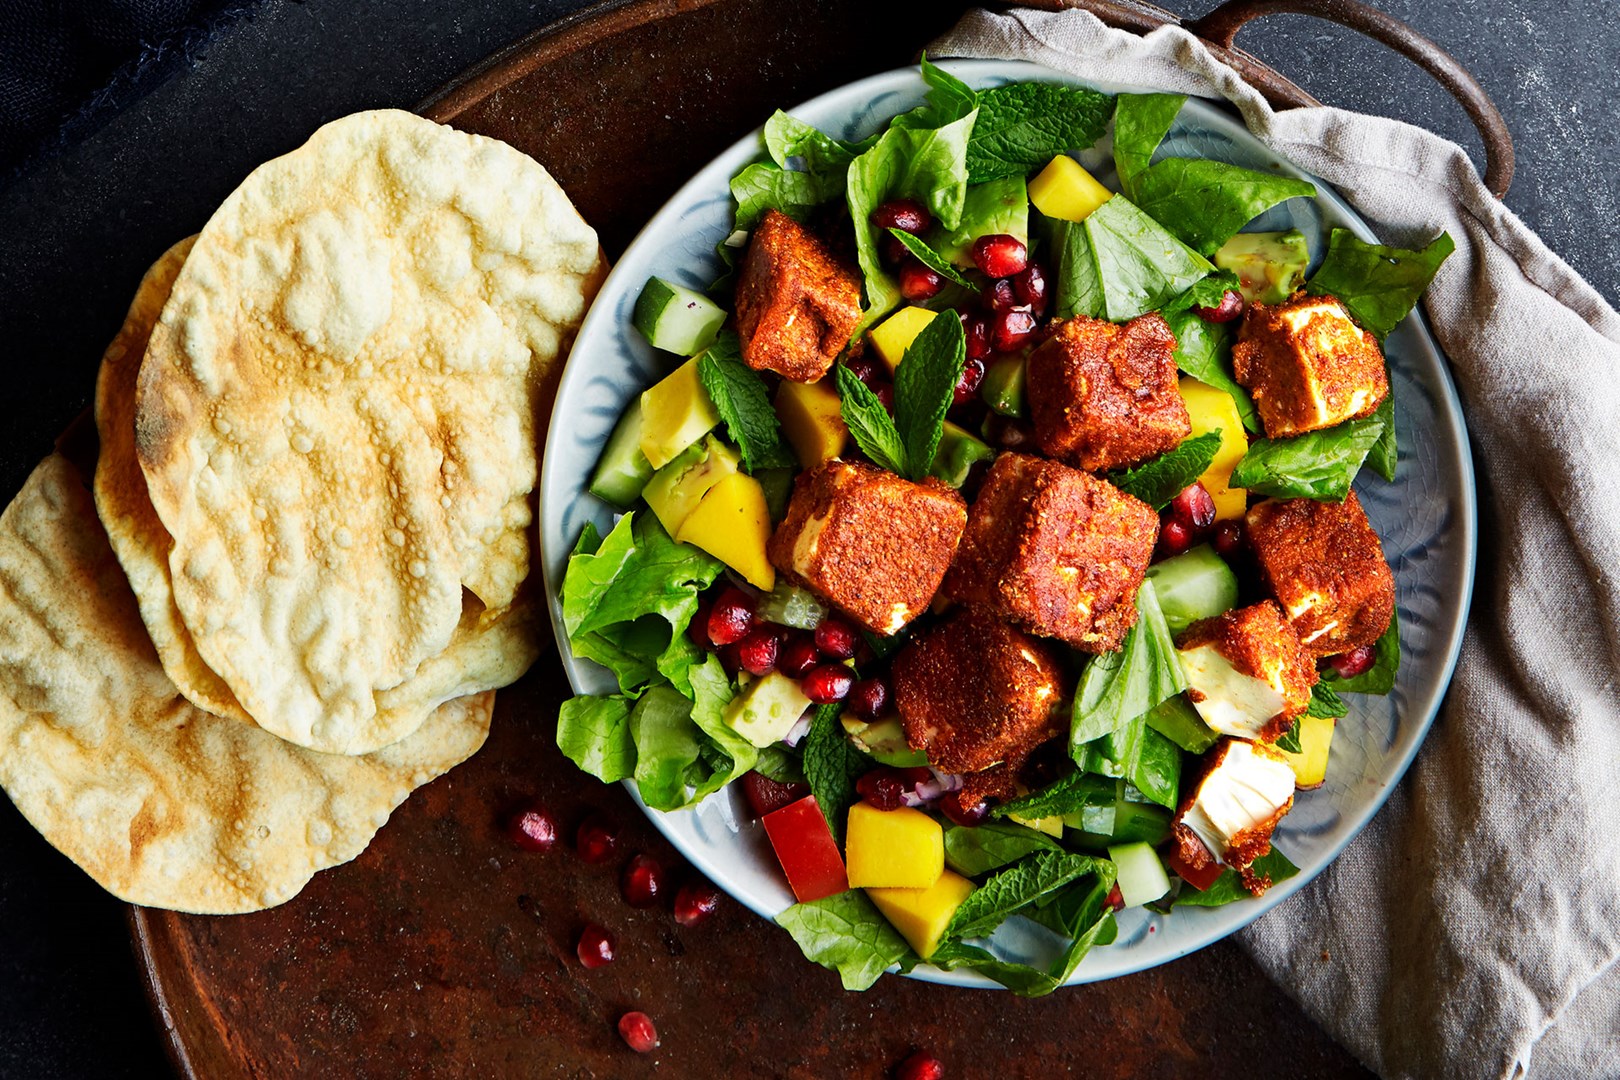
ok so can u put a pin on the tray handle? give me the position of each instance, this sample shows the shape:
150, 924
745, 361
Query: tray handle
1221, 25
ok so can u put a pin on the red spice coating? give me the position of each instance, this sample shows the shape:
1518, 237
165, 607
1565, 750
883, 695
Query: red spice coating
974, 692
1285, 367
797, 304
1104, 396
1324, 564
1057, 551
883, 543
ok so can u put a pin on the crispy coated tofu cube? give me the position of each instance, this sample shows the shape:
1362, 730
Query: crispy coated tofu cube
1247, 673
1057, 551
797, 304
868, 542
1229, 817
1308, 365
974, 692
1324, 564
1104, 396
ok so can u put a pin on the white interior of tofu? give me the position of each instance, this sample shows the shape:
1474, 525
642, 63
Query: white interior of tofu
1303, 606
809, 539
1243, 790
1233, 703
1324, 339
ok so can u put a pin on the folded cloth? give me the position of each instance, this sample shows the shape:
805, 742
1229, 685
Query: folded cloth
1474, 926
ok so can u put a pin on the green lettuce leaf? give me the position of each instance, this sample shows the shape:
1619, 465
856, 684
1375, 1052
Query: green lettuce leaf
1151, 762
1022, 126
1378, 285
1120, 263
762, 186
1158, 481
1141, 121
1120, 686
846, 934
787, 138
735, 755
1229, 886
1385, 454
1380, 678
667, 746
983, 848
1067, 795
1317, 465
739, 397
1204, 351
594, 733
1205, 202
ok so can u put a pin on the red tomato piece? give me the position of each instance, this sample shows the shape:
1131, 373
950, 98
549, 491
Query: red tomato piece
1199, 877
807, 851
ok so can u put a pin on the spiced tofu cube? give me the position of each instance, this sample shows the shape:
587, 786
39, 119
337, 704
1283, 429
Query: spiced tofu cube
1247, 673
797, 305
868, 542
1055, 550
1308, 365
974, 692
1324, 564
1104, 396
1232, 811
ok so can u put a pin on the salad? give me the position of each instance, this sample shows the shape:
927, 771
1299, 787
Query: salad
992, 530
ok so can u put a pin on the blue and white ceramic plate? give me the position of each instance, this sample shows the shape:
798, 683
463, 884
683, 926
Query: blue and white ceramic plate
1426, 519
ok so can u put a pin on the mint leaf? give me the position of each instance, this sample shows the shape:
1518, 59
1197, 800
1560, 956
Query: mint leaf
1385, 454
762, 186
1013, 889
1120, 686
1380, 678
1120, 263
1229, 886
1204, 351
831, 766
1022, 126
1204, 202
1324, 702
594, 733
924, 385
1378, 285
930, 258
846, 934
1288, 741
1317, 465
983, 848
1141, 121
1158, 481
739, 397
869, 422
1073, 792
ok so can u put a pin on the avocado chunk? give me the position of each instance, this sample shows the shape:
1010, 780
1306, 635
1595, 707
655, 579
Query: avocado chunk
957, 453
675, 413
993, 208
1269, 265
675, 490
884, 739
766, 711
1003, 388
624, 470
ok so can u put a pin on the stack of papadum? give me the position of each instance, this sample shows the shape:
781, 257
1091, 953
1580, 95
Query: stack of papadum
306, 562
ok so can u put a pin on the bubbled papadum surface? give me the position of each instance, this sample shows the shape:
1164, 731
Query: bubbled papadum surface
161, 803
336, 414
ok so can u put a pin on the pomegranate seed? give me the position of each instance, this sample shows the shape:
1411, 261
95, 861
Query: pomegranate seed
732, 616
533, 829
863, 368
764, 794
757, 651
1116, 899
595, 947
999, 295
698, 628
596, 840
883, 788
696, 901
836, 639
907, 215
1008, 433
868, 698
1029, 285
967, 385
921, 1066
891, 250
967, 815
976, 331
1174, 538
885, 395
1230, 307
1194, 508
918, 282
1010, 330
636, 1029
642, 882
1000, 255
915, 775
798, 655
827, 683
1229, 539
1347, 665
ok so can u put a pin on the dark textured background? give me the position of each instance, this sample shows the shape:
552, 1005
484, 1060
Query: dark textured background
80, 224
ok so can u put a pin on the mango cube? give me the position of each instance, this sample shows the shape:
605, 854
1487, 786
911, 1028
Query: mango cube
1211, 409
902, 848
813, 420
921, 915
1315, 739
1066, 191
894, 335
732, 523
675, 413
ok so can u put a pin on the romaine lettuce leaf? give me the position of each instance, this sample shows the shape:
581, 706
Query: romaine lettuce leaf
667, 745
594, 733
847, 934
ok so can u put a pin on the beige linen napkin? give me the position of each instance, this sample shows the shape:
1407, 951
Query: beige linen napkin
1473, 929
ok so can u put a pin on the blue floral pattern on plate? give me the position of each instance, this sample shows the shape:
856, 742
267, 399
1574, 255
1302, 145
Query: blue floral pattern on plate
1426, 519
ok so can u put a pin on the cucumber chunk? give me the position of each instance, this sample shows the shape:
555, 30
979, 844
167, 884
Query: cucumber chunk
1132, 822
1195, 585
1142, 878
676, 319
1177, 720
790, 605
624, 470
